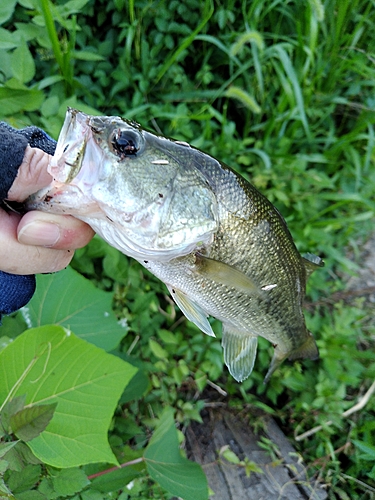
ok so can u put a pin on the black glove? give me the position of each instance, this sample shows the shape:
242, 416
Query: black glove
17, 290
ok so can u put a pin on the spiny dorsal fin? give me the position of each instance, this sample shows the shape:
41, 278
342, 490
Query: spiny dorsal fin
192, 311
312, 262
239, 352
225, 274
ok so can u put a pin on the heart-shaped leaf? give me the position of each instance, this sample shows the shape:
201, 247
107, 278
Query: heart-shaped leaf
169, 468
67, 298
51, 365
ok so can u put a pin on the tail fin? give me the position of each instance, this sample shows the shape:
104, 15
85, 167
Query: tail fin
308, 350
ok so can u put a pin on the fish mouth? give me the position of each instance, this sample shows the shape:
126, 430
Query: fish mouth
73, 167
67, 161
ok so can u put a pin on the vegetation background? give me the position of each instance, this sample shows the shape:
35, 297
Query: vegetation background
282, 91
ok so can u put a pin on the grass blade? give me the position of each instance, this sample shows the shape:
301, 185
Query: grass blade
207, 13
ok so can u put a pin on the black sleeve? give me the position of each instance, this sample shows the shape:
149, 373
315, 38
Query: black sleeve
13, 143
12, 150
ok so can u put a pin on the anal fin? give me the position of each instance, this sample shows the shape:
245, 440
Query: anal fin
239, 352
191, 310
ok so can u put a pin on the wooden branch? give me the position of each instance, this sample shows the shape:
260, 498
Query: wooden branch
361, 404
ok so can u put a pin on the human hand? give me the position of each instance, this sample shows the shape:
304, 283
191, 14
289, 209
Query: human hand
38, 242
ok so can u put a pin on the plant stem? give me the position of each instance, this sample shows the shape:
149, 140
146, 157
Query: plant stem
107, 471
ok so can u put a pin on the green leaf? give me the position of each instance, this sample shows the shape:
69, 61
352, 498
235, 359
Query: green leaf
138, 384
11, 408
168, 337
69, 481
157, 350
85, 55
6, 10
179, 476
30, 495
22, 64
115, 265
52, 365
368, 449
28, 423
68, 299
13, 100
116, 479
7, 39
229, 455
24, 479
5, 447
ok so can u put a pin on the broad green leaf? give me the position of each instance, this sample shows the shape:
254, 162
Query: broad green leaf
68, 299
179, 476
28, 423
69, 481
52, 365
13, 100
22, 64
6, 10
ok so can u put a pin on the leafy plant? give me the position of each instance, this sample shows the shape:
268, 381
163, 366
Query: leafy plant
281, 91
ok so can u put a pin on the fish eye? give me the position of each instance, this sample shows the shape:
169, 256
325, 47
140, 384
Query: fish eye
125, 143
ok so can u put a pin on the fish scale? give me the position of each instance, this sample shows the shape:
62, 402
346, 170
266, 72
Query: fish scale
219, 245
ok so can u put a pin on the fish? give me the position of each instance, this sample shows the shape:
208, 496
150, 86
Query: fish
220, 246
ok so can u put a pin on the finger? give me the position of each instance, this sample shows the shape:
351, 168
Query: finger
17, 258
32, 174
62, 232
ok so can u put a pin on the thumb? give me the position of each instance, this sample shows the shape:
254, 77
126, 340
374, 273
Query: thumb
32, 175
62, 232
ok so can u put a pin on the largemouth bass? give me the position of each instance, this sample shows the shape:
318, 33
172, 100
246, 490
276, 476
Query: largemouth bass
219, 245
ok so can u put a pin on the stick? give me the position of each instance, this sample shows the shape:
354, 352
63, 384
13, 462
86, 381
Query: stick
361, 403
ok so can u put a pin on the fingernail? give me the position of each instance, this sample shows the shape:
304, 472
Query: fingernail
43, 234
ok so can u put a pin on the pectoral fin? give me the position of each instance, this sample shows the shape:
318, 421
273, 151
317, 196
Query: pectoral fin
192, 311
239, 353
225, 275
312, 262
